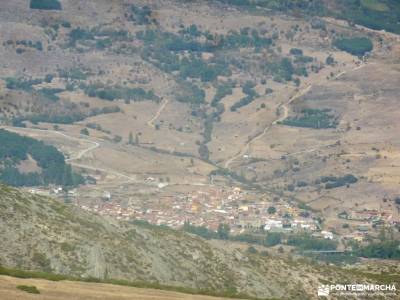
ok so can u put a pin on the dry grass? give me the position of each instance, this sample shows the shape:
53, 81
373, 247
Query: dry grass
66, 290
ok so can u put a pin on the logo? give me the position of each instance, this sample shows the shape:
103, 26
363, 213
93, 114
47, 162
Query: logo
370, 290
323, 290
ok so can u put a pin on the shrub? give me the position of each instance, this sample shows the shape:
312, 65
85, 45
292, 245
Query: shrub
296, 51
330, 60
84, 131
272, 239
252, 250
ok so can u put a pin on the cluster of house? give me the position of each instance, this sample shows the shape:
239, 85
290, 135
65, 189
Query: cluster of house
241, 210
290, 225
367, 219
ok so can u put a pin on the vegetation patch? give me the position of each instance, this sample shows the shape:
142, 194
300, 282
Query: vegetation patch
334, 258
141, 15
356, 46
50, 93
31, 289
389, 249
332, 182
46, 4
21, 83
117, 92
223, 90
283, 69
312, 118
307, 242
191, 93
251, 94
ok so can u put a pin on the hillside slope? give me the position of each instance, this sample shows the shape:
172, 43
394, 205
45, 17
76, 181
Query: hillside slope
40, 233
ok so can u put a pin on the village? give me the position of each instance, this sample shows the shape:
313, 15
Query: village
242, 210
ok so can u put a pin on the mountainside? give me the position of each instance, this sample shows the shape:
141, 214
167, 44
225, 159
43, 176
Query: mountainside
40, 233
268, 129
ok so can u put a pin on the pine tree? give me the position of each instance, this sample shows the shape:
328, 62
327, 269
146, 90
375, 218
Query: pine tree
130, 138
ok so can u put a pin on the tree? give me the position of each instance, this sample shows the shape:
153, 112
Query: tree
117, 139
203, 152
130, 142
223, 231
272, 239
271, 210
48, 78
85, 131
330, 60
137, 142
252, 250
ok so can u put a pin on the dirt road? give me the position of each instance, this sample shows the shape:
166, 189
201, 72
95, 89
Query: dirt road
158, 113
282, 116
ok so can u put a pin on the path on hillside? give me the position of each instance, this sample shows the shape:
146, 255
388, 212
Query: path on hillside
280, 118
158, 113
284, 107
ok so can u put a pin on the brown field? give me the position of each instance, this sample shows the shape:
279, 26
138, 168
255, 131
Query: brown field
66, 290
